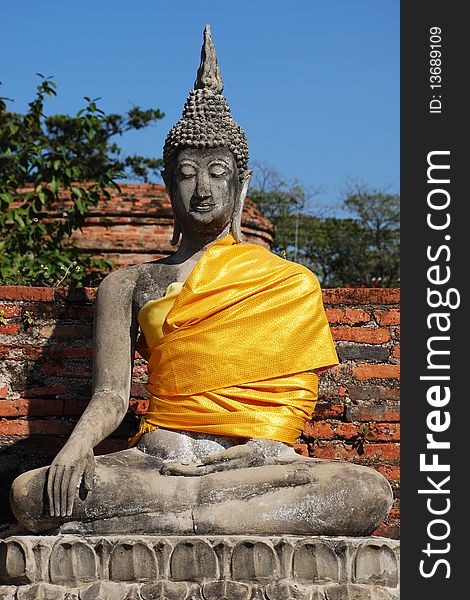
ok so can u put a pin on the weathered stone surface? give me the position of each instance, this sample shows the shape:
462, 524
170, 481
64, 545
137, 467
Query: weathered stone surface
169, 590
42, 591
315, 562
350, 591
254, 561
73, 562
193, 560
376, 564
133, 561
104, 590
226, 590
7, 592
200, 568
17, 563
290, 590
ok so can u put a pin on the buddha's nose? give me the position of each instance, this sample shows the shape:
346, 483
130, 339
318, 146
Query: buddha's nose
203, 188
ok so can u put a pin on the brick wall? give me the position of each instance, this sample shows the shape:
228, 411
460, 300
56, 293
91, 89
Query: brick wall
46, 349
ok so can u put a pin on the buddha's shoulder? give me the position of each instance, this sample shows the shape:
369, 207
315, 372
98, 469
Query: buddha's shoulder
130, 278
274, 261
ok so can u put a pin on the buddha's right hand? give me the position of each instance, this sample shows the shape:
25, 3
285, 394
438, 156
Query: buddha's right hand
63, 479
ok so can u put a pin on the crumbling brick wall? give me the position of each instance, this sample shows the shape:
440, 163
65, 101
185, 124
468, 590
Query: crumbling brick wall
45, 382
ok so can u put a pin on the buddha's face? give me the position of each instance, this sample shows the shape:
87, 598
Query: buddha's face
205, 188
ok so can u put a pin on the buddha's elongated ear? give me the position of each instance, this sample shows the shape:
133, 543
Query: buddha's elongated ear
175, 238
167, 180
235, 225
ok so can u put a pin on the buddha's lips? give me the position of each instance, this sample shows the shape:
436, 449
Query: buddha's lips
201, 205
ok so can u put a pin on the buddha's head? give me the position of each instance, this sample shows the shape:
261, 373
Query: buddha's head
206, 156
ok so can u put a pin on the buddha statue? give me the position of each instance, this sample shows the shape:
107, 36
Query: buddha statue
234, 337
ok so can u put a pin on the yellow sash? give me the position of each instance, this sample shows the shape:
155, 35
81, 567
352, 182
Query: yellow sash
236, 348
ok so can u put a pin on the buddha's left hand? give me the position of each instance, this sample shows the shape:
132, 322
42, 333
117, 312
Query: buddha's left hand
253, 453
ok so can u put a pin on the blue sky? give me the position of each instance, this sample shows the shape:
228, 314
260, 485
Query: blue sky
314, 83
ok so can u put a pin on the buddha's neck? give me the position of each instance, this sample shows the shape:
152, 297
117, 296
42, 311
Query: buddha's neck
193, 245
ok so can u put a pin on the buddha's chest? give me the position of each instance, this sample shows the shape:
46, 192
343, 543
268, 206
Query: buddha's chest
153, 282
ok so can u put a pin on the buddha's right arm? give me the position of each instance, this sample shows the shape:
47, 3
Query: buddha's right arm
114, 342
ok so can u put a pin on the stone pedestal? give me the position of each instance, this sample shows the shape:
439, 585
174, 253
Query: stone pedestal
67, 567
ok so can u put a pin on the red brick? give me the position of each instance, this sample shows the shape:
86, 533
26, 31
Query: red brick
390, 316
388, 451
363, 372
339, 372
4, 389
318, 429
138, 406
377, 432
381, 452
332, 451
75, 407
75, 294
77, 351
20, 352
347, 315
369, 392
44, 391
31, 408
328, 410
57, 312
327, 431
10, 352
346, 430
35, 427
138, 390
9, 310
361, 296
9, 329
68, 369
73, 331
385, 432
140, 370
365, 335
19, 292
390, 472
394, 512
388, 530
369, 411
396, 351
301, 449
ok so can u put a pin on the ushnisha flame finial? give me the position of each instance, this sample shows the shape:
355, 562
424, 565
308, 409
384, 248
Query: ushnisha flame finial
208, 74
206, 121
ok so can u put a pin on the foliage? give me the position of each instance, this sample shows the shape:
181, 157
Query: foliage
58, 167
282, 202
379, 215
275, 197
96, 154
335, 249
361, 250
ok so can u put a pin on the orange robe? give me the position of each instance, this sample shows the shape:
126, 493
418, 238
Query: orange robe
237, 348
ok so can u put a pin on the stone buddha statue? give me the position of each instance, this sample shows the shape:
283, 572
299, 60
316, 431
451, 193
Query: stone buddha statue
234, 337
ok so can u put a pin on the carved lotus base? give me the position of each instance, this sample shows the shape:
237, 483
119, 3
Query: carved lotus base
68, 567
